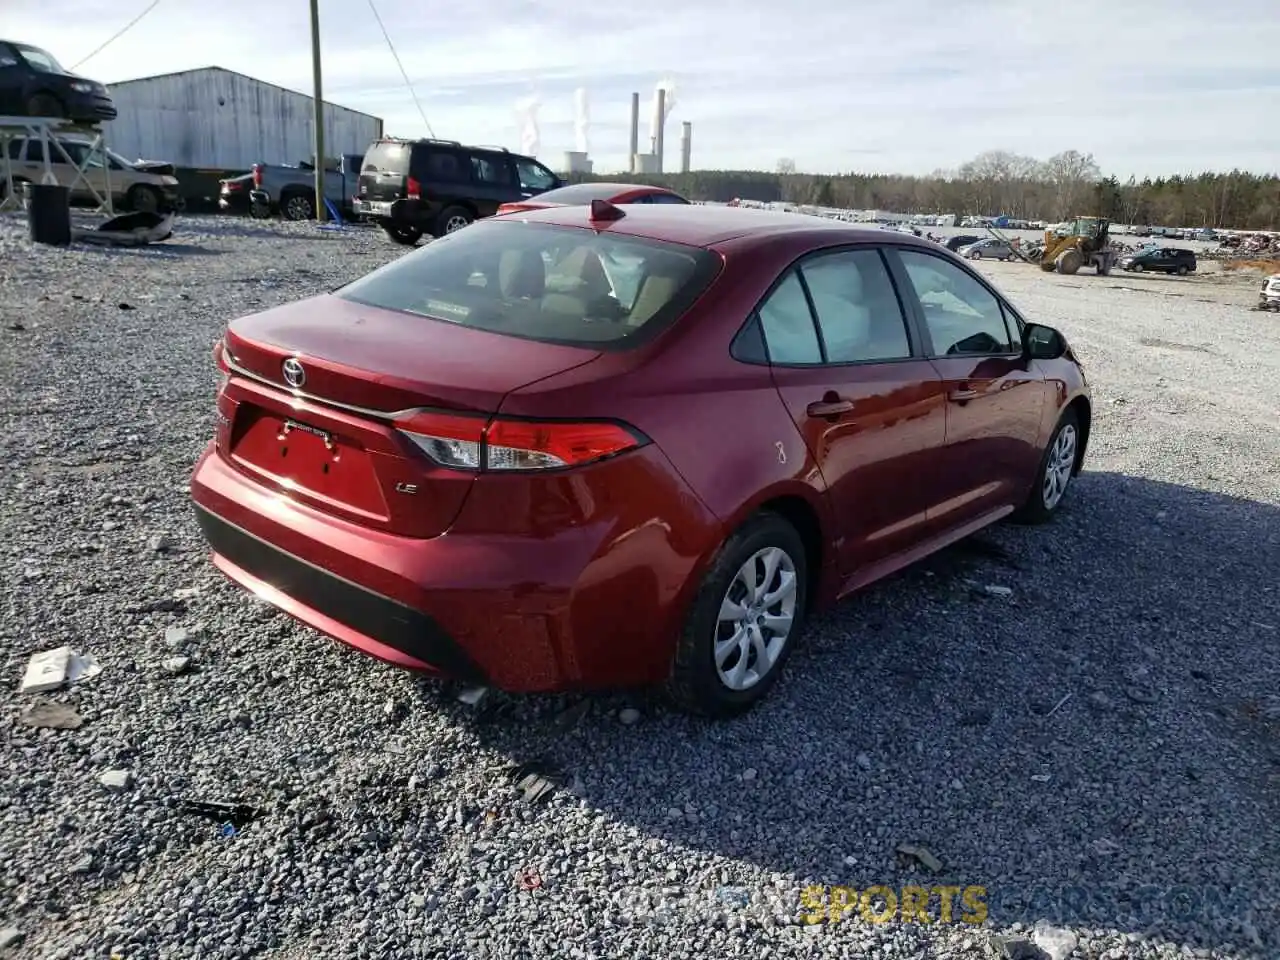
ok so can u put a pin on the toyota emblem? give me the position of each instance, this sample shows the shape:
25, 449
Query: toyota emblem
294, 375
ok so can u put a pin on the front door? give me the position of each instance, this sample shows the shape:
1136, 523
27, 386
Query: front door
868, 404
995, 397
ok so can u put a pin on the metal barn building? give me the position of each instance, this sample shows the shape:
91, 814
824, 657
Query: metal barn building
220, 119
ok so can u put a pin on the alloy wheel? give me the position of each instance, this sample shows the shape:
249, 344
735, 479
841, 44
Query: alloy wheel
1058, 468
756, 618
453, 224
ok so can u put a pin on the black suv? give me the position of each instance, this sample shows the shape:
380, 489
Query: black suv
34, 84
416, 187
1165, 259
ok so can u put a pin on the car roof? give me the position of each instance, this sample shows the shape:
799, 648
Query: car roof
699, 225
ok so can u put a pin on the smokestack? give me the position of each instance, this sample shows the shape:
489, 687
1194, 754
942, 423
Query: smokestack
686, 144
661, 114
581, 119
635, 132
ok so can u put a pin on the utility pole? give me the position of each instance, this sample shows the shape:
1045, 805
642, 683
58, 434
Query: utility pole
318, 97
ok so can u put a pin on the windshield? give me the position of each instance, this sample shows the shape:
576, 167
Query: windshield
39, 59
542, 282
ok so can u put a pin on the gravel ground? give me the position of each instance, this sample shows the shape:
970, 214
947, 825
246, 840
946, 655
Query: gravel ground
1097, 746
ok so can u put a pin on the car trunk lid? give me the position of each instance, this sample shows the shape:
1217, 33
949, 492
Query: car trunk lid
324, 431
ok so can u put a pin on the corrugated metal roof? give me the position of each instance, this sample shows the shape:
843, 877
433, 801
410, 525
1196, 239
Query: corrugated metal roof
235, 73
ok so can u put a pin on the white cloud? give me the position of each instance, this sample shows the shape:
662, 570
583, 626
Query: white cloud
918, 85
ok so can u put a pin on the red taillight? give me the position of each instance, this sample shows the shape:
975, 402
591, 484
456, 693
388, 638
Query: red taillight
257, 176
476, 443
413, 189
220, 361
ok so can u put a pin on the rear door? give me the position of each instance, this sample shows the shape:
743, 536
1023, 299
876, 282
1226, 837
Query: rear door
995, 398
868, 403
384, 171
493, 181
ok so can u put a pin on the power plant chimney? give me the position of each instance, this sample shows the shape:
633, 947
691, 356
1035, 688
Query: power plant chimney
662, 123
635, 132
686, 144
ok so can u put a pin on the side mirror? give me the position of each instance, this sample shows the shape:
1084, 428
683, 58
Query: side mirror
1042, 343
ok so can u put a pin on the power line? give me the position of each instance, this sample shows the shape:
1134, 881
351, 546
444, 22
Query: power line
118, 34
407, 82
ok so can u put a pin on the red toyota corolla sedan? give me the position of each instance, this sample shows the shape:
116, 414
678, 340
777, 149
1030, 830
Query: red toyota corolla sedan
577, 194
597, 445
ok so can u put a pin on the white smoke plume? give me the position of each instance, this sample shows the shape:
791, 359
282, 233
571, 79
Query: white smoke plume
527, 118
669, 87
582, 119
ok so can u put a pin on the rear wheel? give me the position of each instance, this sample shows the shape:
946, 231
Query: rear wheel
1057, 470
744, 620
298, 206
1182, 270
976, 255
401, 234
452, 220
1138, 268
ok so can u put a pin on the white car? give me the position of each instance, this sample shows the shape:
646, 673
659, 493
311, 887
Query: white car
1271, 293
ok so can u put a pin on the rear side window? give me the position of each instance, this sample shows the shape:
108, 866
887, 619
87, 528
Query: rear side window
441, 166
542, 282
15, 147
386, 158
858, 311
491, 171
666, 198
787, 323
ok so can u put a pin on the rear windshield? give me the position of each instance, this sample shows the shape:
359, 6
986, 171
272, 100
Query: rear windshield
541, 282
581, 193
392, 157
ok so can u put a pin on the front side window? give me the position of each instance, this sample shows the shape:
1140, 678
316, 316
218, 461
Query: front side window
858, 311
963, 317
534, 176
787, 324
40, 60
543, 282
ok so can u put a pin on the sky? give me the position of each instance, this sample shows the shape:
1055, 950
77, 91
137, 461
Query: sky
907, 87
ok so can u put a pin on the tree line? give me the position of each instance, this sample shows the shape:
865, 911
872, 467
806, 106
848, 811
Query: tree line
999, 182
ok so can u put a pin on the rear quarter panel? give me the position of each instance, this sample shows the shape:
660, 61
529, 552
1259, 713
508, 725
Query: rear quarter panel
720, 422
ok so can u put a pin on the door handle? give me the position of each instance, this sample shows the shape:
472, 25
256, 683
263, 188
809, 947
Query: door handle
962, 396
829, 408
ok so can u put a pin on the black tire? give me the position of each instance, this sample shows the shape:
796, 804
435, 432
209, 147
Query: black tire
695, 684
1038, 508
1137, 268
1182, 270
45, 105
400, 233
298, 205
976, 255
259, 211
451, 220
143, 198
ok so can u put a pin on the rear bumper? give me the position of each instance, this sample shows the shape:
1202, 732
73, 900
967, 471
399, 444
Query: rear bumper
534, 588
417, 213
326, 601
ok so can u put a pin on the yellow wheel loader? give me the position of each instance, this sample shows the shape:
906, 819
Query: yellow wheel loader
1079, 242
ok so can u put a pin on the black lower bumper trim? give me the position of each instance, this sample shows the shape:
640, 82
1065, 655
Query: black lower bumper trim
388, 621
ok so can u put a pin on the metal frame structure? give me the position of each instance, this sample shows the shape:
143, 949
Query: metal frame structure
51, 132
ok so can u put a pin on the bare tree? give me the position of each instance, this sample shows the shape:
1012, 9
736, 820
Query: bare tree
786, 167
1073, 175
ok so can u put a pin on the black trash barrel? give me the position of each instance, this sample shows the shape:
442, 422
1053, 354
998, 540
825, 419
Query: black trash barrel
48, 213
